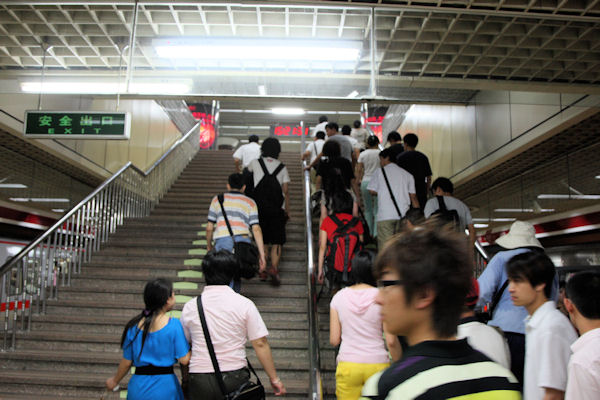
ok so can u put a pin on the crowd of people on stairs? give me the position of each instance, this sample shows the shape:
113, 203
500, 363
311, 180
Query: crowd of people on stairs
406, 321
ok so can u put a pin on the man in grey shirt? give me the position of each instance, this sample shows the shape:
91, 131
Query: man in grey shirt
334, 135
444, 187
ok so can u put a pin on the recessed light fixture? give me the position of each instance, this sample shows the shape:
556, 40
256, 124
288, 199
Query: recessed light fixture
12, 186
108, 87
257, 49
523, 210
287, 111
39, 200
569, 196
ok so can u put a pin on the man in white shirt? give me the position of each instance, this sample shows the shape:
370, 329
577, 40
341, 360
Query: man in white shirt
320, 126
246, 153
548, 333
391, 210
232, 319
482, 337
583, 304
444, 187
360, 134
312, 151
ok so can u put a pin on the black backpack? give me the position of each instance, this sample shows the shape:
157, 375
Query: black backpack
444, 216
342, 248
268, 194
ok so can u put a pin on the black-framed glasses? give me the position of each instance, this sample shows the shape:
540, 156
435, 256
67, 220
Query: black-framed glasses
382, 284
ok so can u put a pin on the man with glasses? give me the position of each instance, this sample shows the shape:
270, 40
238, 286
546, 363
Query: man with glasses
424, 277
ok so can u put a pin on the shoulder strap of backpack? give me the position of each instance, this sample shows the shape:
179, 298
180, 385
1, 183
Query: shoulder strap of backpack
441, 203
387, 182
266, 171
336, 220
221, 197
263, 166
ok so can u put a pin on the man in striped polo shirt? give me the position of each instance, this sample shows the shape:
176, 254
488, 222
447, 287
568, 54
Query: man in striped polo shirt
424, 277
242, 214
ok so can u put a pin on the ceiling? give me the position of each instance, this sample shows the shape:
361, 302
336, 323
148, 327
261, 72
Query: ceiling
440, 52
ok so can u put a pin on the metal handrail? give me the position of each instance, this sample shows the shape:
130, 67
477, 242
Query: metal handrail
481, 258
37, 271
314, 353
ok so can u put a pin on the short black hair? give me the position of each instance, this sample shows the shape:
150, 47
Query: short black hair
323, 118
331, 149
443, 183
394, 136
346, 129
332, 125
270, 148
253, 138
236, 181
385, 153
431, 258
320, 135
357, 123
410, 139
583, 289
533, 266
219, 267
414, 216
372, 141
362, 268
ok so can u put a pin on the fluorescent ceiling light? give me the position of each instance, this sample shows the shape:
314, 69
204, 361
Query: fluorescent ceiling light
257, 49
108, 87
494, 219
570, 196
39, 200
12, 186
287, 111
480, 225
524, 210
262, 90
597, 176
354, 93
58, 210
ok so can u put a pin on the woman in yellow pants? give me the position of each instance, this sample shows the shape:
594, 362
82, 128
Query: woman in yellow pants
355, 325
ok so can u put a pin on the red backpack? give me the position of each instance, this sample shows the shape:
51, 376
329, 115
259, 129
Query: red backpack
342, 247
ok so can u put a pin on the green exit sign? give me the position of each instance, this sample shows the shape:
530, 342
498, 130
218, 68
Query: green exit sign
77, 125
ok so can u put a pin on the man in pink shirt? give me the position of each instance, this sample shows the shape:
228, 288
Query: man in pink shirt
232, 319
583, 304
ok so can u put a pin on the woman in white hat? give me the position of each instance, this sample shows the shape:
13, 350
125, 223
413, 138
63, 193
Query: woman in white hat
506, 316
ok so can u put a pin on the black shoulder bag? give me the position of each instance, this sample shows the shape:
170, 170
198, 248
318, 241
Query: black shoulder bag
248, 390
387, 182
246, 253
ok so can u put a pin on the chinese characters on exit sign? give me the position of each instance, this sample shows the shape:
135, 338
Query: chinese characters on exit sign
77, 125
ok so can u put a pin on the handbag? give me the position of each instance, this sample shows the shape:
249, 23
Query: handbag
248, 390
487, 313
245, 253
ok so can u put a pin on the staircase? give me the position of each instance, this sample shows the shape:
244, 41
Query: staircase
74, 347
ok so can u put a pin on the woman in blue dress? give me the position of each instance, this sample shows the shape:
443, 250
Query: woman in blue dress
152, 342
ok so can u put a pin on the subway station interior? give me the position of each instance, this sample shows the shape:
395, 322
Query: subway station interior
504, 96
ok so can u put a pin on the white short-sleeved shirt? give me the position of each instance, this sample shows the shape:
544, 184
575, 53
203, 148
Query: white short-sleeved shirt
452, 203
370, 159
548, 339
402, 184
360, 135
583, 382
354, 142
320, 127
232, 319
315, 148
271, 164
487, 340
247, 153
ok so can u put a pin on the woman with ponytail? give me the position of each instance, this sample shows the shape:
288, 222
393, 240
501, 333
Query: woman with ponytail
151, 342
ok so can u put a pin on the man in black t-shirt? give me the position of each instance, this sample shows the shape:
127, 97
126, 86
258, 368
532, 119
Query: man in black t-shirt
395, 148
417, 164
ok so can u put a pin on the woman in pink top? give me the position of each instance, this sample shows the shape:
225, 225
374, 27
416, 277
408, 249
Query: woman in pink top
355, 321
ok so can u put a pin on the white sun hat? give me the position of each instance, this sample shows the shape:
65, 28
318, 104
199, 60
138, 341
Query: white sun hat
521, 234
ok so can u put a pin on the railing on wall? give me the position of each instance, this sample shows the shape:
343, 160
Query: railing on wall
34, 275
314, 353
